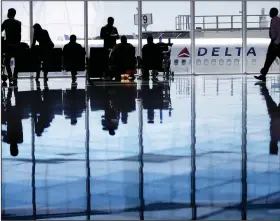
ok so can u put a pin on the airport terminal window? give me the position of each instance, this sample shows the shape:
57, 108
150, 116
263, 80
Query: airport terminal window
236, 61
184, 62
213, 61
176, 62
198, 62
228, 61
221, 62
206, 61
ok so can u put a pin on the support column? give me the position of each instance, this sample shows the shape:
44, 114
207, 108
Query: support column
139, 103
139, 28
86, 26
244, 150
86, 35
33, 174
30, 32
87, 156
244, 36
1, 10
192, 29
31, 22
193, 150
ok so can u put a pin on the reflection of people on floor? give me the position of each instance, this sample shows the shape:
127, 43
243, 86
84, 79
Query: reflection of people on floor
14, 134
152, 99
124, 117
74, 103
274, 114
110, 119
45, 114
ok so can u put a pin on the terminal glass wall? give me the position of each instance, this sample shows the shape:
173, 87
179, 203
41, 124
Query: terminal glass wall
222, 22
256, 62
23, 14
106, 172
214, 186
61, 19
158, 115
261, 100
67, 17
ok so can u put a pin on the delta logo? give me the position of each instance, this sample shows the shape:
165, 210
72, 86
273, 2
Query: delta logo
218, 51
184, 53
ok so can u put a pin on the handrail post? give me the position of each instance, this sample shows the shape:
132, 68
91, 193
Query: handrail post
203, 21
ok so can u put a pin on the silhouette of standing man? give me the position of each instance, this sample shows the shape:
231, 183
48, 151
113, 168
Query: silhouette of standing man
12, 28
45, 47
109, 34
273, 50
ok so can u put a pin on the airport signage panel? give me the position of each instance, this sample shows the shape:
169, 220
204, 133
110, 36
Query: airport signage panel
147, 19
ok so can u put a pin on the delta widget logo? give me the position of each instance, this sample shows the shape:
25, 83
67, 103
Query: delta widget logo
184, 53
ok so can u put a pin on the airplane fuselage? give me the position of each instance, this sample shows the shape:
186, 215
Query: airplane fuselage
223, 55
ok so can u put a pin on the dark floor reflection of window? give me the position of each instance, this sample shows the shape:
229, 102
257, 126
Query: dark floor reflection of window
61, 125
218, 181
165, 138
16, 148
166, 160
41, 110
114, 136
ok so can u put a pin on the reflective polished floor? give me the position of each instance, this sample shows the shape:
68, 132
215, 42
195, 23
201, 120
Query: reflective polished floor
203, 147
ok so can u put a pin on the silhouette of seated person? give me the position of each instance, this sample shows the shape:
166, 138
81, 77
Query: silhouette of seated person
109, 34
44, 113
45, 49
12, 28
274, 114
110, 119
14, 135
150, 56
72, 54
122, 58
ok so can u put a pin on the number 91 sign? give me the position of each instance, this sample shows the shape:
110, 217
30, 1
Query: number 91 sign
147, 19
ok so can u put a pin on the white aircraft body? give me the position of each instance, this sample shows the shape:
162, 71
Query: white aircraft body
212, 55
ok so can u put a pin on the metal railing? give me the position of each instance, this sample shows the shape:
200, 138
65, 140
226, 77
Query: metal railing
183, 22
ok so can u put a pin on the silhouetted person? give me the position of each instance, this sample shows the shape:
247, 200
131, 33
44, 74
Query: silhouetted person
14, 134
12, 28
273, 50
122, 57
119, 48
150, 56
71, 51
45, 48
109, 34
274, 114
